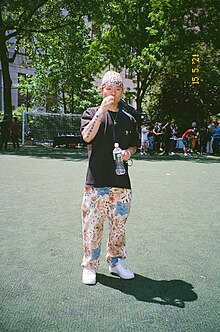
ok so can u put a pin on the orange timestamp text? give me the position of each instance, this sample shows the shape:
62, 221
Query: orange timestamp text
195, 69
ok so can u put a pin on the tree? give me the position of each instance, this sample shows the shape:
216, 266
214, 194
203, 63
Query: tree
151, 37
180, 97
139, 36
19, 20
185, 101
61, 69
25, 20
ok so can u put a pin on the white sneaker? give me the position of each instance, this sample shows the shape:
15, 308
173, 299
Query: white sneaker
186, 154
89, 276
121, 269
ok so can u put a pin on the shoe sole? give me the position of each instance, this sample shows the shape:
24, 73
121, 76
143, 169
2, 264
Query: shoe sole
89, 283
116, 273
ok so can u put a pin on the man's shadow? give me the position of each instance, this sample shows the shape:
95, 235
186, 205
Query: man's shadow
172, 292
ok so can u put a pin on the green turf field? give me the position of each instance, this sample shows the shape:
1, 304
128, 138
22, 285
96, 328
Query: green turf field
173, 244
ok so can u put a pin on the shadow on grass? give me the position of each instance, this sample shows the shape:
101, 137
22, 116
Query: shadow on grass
172, 292
81, 153
49, 152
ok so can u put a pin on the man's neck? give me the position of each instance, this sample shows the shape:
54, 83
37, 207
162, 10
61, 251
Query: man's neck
114, 108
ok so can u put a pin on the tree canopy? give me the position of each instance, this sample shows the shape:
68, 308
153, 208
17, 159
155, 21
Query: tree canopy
43, 22
156, 40
69, 42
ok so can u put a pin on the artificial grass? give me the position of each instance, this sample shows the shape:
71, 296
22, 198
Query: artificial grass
172, 242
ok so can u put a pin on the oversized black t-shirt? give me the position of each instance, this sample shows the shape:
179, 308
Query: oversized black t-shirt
101, 166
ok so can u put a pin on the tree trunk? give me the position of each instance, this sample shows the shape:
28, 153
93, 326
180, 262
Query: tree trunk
64, 101
139, 104
7, 82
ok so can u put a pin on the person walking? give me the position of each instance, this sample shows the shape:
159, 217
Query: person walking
106, 194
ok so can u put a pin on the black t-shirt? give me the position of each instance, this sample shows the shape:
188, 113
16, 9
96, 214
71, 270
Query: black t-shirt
101, 166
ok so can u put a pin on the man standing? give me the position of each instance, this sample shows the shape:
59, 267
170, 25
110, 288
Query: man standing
5, 132
106, 194
216, 139
15, 133
158, 134
144, 140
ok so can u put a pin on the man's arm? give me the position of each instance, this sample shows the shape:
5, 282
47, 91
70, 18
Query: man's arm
90, 131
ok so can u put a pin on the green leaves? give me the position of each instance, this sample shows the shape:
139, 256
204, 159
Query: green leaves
154, 39
69, 42
59, 60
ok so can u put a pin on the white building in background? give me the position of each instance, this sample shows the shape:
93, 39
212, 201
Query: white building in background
17, 69
20, 68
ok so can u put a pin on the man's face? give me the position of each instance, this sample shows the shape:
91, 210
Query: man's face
112, 90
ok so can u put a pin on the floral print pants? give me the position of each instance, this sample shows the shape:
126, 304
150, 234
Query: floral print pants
100, 204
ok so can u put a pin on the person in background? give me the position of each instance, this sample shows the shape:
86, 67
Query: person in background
15, 132
209, 139
166, 138
173, 139
203, 138
194, 140
106, 194
216, 139
187, 139
144, 138
158, 135
5, 132
150, 139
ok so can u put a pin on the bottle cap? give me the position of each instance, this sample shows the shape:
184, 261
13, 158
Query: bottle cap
116, 145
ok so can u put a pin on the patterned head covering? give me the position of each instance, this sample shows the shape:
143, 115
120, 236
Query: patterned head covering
112, 77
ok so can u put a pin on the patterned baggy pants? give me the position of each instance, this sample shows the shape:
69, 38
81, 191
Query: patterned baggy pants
100, 204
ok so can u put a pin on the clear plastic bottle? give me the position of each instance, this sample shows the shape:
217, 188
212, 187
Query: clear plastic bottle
119, 164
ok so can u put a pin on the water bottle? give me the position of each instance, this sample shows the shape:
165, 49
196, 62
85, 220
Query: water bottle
119, 164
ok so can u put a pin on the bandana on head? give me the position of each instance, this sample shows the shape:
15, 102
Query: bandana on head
112, 77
